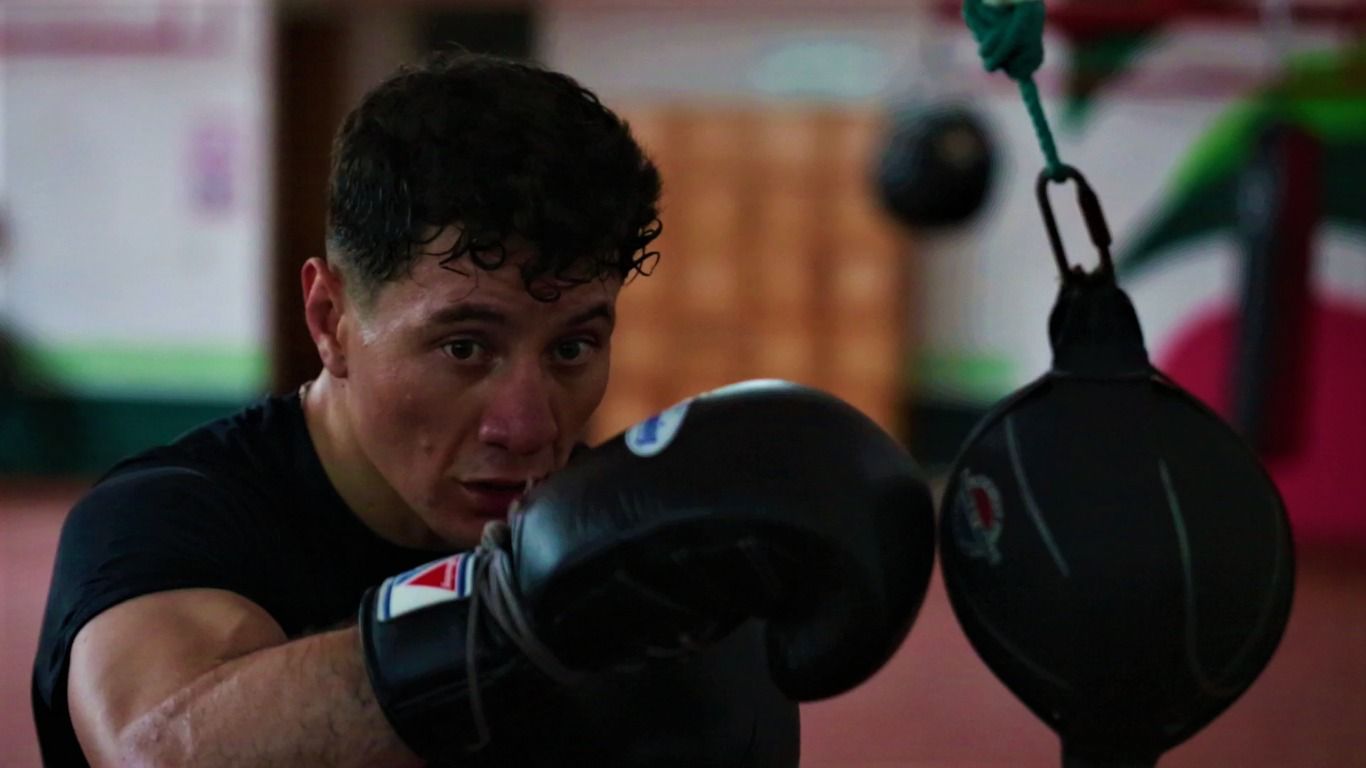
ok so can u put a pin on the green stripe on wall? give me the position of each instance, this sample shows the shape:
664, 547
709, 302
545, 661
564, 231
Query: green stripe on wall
58, 435
962, 377
193, 371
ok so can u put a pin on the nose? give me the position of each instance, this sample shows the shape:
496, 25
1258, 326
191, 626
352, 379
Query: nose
518, 417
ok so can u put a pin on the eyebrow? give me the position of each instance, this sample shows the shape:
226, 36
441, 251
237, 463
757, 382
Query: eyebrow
597, 311
461, 313
488, 314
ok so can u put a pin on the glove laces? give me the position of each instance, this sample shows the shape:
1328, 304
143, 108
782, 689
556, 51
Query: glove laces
495, 590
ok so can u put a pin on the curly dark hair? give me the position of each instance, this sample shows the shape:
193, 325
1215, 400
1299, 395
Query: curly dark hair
496, 148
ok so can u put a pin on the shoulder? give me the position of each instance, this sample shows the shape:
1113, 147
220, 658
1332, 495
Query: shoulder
247, 462
178, 520
154, 494
156, 527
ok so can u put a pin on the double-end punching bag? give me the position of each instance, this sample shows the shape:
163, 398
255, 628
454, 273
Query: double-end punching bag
1112, 549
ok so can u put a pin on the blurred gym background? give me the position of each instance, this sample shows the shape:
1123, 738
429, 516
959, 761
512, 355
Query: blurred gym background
848, 203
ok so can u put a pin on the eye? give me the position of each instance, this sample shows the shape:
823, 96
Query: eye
574, 351
463, 350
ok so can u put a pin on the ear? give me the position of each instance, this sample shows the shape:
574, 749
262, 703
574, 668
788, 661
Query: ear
326, 311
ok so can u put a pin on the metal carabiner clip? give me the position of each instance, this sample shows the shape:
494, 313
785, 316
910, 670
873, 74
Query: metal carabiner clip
1091, 214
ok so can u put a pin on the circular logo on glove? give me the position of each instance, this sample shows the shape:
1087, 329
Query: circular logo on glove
653, 435
978, 515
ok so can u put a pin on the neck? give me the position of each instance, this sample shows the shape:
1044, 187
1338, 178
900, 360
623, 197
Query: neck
359, 483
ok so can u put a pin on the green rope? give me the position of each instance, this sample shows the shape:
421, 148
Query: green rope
1009, 36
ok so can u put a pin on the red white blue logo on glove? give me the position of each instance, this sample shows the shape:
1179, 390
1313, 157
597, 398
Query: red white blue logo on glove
450, 578
654, 434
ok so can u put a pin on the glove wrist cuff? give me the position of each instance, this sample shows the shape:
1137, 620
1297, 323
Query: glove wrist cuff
418, 667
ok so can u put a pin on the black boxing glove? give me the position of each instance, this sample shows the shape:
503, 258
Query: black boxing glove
716, 707
763, 499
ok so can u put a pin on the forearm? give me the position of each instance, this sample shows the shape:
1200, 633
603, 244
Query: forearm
306, 702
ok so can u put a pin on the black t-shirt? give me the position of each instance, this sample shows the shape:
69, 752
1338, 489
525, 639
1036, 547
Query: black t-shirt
240, 504
243, 504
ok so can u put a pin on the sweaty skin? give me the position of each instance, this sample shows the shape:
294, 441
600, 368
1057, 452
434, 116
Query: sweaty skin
438, 402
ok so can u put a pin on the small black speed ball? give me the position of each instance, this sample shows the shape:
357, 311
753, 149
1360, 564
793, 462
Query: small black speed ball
936, 168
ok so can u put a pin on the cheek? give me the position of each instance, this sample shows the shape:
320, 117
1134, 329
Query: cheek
581, 399
408, 414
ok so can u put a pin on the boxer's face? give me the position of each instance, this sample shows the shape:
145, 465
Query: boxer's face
461, 387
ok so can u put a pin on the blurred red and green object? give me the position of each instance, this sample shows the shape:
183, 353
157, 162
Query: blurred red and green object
1286, 365
1323, 94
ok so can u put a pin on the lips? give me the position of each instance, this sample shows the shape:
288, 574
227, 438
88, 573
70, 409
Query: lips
492, 498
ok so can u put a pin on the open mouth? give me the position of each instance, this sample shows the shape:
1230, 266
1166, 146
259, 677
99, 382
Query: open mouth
494, 498
495, 486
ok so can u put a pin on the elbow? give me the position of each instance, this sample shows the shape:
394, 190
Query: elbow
150, 742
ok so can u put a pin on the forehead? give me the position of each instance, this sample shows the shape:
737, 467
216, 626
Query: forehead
431, 289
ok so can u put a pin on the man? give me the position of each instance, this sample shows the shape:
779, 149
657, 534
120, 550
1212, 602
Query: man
484, 215
459, 365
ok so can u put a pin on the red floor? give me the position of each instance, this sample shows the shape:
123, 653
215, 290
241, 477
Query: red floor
934, 706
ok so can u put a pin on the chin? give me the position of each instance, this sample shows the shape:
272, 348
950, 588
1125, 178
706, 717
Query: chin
453, 521
459, 530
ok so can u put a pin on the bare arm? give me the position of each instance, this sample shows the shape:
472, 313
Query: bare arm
206, 677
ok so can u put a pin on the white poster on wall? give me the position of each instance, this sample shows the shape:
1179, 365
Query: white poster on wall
135, 193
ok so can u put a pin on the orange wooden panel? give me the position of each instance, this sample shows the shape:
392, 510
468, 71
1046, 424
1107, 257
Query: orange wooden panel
711, 143
776, 262
708, 287
856, 139
785, 254
629, 400
638, 349
787, 142
784, 354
